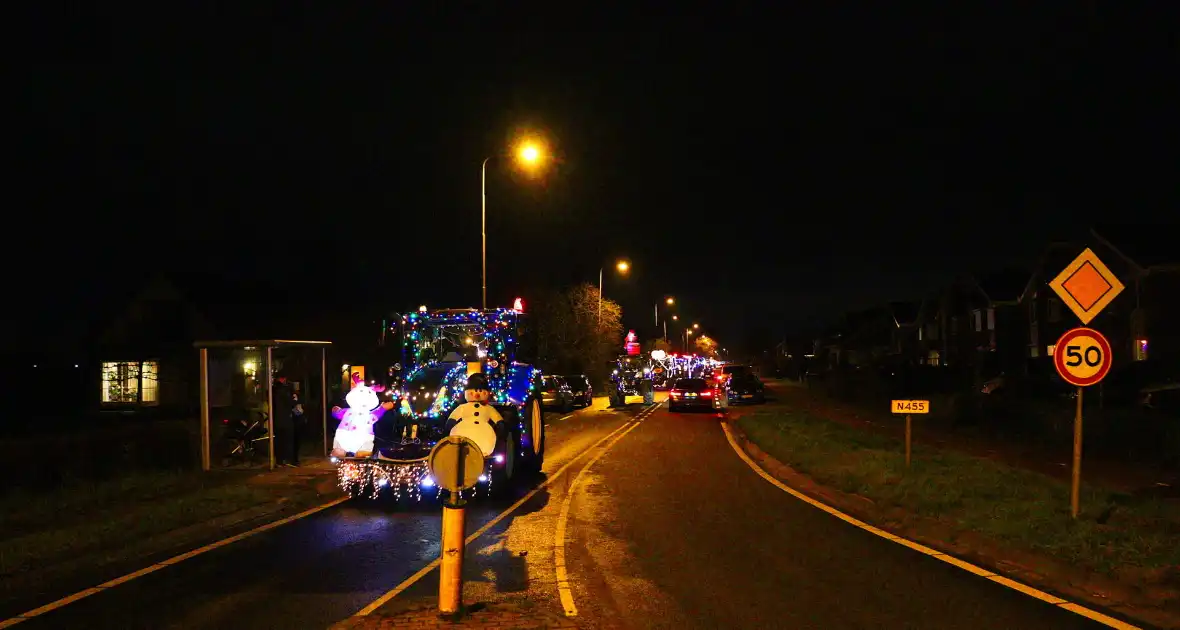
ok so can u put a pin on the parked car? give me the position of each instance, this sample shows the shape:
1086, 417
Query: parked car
583, 390
746, 388
697, 393
556, 394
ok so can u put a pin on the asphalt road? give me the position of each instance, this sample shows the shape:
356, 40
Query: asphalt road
306, 574
669, 528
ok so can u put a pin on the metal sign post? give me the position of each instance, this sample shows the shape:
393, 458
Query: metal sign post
456, 464
1082, 358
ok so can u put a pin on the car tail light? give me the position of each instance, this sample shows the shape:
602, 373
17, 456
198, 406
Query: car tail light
707, 394
676, 393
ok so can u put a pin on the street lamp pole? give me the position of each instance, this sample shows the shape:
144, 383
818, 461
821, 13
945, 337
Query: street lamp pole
600, 297
483, 227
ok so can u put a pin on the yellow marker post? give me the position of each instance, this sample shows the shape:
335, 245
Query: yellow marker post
909, 407
456, 464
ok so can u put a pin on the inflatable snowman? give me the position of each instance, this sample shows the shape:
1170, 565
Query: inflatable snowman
355, 433
476, 419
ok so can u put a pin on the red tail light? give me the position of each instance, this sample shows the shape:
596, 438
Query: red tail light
706, 394
225, 421
676, 393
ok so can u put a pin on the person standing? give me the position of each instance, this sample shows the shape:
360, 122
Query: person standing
286, 441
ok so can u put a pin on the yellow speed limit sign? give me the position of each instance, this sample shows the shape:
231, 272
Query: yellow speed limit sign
1082, 357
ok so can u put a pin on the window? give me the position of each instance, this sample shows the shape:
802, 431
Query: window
1054, 310
977, 319
149, 390
933, 358
1140, 349
921, 333
130, 382
1052, 350
991, 319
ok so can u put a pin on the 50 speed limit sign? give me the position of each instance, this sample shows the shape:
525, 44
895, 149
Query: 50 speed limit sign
1082, 357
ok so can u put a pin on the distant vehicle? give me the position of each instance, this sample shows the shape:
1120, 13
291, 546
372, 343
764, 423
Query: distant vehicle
723, 373
556, 394
746, 388
583, 390
697, 393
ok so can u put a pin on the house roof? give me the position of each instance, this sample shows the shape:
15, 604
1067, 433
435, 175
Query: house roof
1145, 245
905, 313
1003, 285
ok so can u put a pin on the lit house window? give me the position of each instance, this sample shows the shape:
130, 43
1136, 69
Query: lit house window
130, 382
1140, 349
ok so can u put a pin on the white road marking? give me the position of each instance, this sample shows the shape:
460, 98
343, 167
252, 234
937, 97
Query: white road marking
934, 553
421, 573
564, 592
65, 601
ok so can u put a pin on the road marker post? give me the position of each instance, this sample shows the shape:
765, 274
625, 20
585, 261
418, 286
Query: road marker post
456, 464
1082, 358
909, 407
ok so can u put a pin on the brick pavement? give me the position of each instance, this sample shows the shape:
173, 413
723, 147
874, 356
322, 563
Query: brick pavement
498, 616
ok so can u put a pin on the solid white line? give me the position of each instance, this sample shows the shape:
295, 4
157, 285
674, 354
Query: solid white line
565, 418
421, 573
934, 553
564, 592
65, 601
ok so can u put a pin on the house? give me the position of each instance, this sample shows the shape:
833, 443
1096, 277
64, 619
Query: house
907, 330
1142, 322
868, 336
143, 351
975, 324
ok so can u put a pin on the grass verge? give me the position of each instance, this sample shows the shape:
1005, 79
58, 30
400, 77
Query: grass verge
39, 529
1008, 504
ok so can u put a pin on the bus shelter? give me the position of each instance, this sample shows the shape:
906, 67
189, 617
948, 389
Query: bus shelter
238, 376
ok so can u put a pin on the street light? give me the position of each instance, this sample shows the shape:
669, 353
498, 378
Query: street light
669, 301
529, 154
695, 326
622, 267
675, 318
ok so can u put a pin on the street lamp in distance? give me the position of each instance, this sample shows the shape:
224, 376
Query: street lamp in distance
695, 326
669, 301
623, 266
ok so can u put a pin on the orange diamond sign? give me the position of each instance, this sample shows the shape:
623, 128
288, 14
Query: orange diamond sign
1086, 286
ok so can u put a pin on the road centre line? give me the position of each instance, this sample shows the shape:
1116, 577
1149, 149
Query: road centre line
564, 591
69, 599
421, 573
934, 553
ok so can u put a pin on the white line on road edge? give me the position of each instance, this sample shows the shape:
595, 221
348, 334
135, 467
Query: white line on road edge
65, 601
934, 553
565, 417
421, 573
563, 584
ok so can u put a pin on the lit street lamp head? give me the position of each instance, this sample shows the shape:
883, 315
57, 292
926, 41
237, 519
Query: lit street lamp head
675, 318
670, 301
623, 266
529, 154
696, 325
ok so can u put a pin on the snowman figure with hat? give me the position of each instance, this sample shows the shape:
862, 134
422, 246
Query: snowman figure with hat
477, 419
354, 434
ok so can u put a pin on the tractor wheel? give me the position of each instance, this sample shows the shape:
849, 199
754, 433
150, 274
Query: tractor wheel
649, 392
615, 397
534, 422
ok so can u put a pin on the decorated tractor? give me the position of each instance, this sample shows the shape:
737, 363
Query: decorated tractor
631, 375
461, 376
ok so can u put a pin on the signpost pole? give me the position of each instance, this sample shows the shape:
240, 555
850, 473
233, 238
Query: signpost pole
454, 526
908, 436
1076, 477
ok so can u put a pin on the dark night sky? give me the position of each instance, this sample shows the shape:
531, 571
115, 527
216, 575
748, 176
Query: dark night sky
769, 170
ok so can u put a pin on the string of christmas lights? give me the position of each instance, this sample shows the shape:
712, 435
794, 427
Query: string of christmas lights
411, 480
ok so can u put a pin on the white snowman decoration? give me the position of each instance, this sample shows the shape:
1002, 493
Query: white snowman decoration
476, 419
355, 432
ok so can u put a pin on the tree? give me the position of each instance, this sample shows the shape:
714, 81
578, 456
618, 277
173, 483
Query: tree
657, 344
570, 337
706, 346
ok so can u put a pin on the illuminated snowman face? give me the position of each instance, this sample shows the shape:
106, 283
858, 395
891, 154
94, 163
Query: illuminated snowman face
363, 398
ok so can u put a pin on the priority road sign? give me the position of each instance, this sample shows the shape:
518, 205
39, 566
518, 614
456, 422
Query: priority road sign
1086, 285
1082, 356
